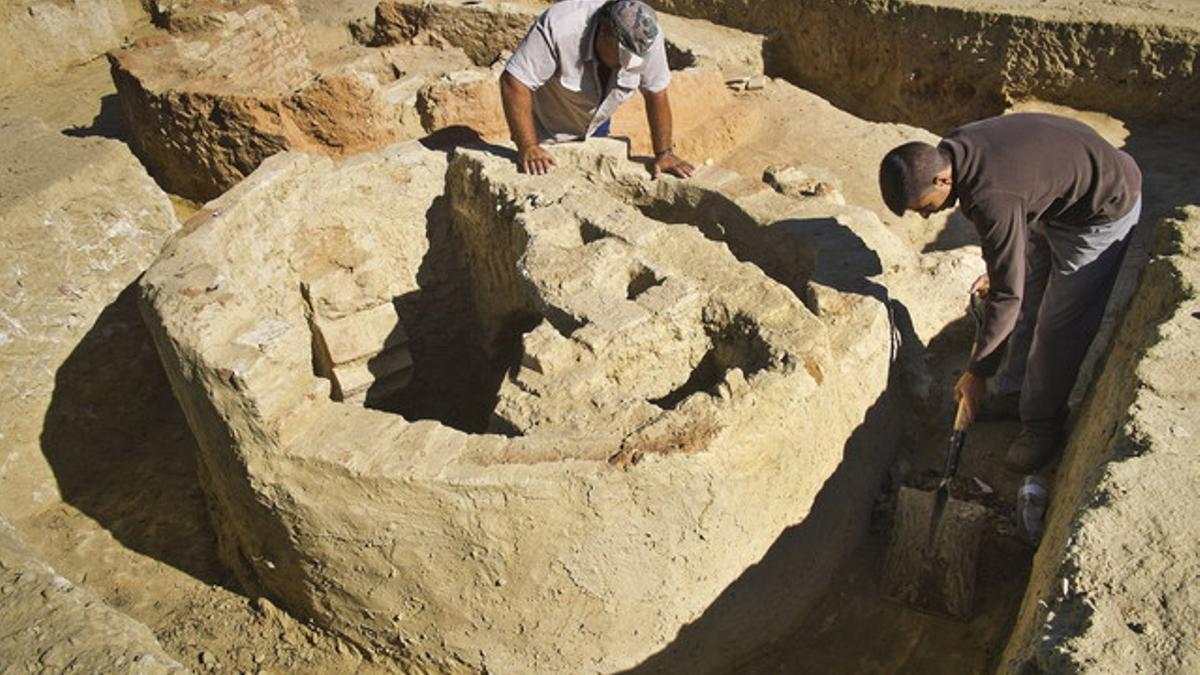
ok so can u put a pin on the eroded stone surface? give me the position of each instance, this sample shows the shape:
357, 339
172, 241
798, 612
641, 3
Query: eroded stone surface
40, 37
50, 625
80, 221
656, 412
1114, 580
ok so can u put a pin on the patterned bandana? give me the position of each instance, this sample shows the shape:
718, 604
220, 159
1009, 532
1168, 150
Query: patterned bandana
635, 24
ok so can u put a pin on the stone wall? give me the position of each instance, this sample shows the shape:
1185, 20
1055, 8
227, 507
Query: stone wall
1114, 579
643, 444
940, 66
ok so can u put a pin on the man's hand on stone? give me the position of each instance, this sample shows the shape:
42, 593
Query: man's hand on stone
667, 162
535, 160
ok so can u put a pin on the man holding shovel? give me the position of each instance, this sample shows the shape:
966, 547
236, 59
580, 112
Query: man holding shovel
579, 62
1054, 205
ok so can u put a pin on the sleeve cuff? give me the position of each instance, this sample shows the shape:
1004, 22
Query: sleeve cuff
656, 87
988, 365
522, 76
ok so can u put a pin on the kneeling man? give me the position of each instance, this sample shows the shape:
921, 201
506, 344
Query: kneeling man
581, 60
1054, 205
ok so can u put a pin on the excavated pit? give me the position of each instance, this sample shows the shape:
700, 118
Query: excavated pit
470, 447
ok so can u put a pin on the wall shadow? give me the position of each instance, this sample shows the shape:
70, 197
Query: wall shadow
957, 232
456, 371
843, 261
771, 598
109, 122
121, 450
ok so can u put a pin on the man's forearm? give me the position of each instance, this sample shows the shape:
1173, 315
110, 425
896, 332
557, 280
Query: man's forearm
658, 115
518, 111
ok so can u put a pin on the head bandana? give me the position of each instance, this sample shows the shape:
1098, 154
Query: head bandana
636, 27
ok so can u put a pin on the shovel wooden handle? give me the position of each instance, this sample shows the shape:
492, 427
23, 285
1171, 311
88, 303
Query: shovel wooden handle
960, 416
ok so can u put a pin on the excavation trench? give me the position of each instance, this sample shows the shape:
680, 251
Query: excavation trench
471, 419
938, 65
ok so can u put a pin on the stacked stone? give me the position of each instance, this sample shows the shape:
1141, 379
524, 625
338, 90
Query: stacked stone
364, 353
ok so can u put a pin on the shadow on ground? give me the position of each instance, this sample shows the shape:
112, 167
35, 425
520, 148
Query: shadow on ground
956, 233
121, 449
109, 122
812, 605
771, 598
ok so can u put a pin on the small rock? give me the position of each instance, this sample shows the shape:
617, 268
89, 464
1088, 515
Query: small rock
207, 658
804, 182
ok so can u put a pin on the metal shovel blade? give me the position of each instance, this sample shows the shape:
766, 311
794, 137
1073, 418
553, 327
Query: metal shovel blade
930, 562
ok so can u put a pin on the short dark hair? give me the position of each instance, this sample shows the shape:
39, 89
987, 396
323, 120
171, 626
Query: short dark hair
907, 172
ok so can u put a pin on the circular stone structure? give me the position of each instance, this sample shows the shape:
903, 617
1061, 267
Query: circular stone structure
484, 420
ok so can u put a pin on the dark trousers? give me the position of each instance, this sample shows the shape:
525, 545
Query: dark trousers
1068, 280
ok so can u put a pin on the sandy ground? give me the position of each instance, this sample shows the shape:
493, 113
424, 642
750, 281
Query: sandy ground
1177, 13
168, 576
134, 527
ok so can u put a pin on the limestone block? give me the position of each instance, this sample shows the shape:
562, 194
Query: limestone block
360, 335
551, 473
466, 98
79, 221
50, 625
390, 368
482, 30
39, 37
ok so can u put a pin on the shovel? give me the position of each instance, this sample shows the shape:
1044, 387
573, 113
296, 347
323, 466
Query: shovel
930, 562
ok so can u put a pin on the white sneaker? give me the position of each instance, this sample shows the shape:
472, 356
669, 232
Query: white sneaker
1032, 498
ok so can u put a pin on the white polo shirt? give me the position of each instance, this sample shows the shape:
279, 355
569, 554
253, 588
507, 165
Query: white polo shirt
557, 60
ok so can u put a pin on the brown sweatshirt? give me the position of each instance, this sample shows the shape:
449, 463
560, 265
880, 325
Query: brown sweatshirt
1015, 170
